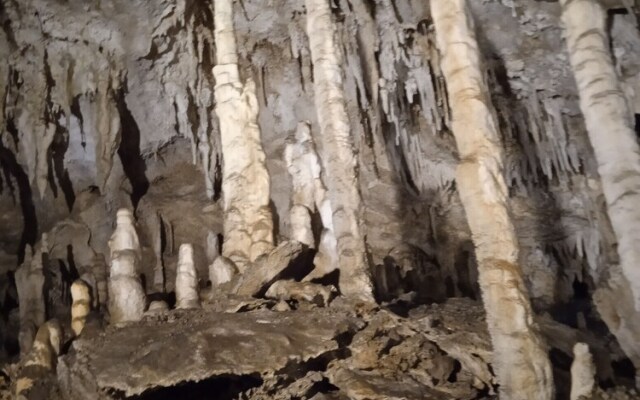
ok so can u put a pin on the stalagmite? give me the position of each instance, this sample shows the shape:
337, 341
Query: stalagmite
310, 196
125, 236
520, 358
222, 270
609, 123
582, 372
309, 192
81, 306
41, 359
127, 299
186, 279
248, 223
339, 158
30, 286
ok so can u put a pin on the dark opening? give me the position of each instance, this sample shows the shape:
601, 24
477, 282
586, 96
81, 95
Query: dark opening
129, 152
218, 388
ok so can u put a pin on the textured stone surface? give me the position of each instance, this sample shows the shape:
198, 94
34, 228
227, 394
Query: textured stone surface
143, 355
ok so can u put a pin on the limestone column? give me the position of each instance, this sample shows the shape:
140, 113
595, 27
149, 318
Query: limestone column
610, 128
248, 223
520, 359
340, 162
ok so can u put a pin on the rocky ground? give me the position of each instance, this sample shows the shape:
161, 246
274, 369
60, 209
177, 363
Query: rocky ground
246, 348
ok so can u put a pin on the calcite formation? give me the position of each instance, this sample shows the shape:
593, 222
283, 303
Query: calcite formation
520, 357
127, 300
248, 223
582, 372
81, 306
124, 237
339, 159
463, 173
221, 271
186, 279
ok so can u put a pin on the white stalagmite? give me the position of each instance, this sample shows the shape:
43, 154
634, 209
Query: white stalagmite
186, 279
310, 196
127, 299
81, 306
582, 372
248, 223
339, 157
30, 286
520, 359
125, 236
309, 192
222, 270
609, 123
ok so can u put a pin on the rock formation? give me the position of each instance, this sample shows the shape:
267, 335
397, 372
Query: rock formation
448, 168
248, 223
40, 362
30, 288
520, 357
582, 372
339, 160
186, 279
127, 300
613, 137
125, 237
81, 306
221, 271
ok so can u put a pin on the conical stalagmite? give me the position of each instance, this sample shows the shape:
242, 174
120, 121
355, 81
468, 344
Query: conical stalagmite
339, 158
520, 358
248, 222
610, 126
186, 279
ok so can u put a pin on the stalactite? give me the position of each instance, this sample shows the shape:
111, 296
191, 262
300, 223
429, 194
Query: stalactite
108, 128
520, 359
339, 159
610, 130
248, 223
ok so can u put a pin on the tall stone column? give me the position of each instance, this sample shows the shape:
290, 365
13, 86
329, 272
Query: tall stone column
248, 223
610, 128
338, 156
520, 359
